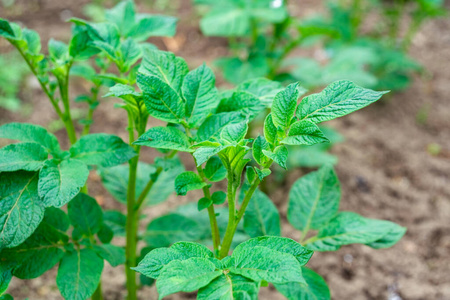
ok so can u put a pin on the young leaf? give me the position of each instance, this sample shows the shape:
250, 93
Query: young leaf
229, 286
259, 145
101, 149
215, 170
278, 244
283, 107
270, 130
157, 259
21, 210
22, 156
263, 88
188, 181
123, 15
30, 133
279, 155
234, 160
85, 214
79, 274
5, 29
60, 182
304, 133
242, 102
261, 217
153, 25
203, 154
350, 228
113, 254
42, 250
170, 138
219, 197
213, 125
336, 100
315, 288
186, 276
204, 203
200, 93
234, 133
314, 199
262, 173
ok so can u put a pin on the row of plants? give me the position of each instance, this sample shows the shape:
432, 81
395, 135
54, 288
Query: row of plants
47, 216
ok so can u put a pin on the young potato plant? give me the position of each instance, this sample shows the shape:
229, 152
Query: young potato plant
214, 131
46, 215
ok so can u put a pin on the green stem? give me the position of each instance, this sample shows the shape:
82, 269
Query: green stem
64, 91
233, 223
132, 219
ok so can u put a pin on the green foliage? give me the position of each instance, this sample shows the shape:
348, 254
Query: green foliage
13, 72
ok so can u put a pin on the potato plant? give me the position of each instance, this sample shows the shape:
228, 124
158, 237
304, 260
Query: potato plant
47, 216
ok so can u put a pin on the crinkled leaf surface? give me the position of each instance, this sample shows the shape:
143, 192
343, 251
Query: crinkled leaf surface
215, 170
188, 181
213, 125
246, 103
314, 199
283, 107
165, 138
60, 182
261, 216
79, 274
30, 133
304, 132
21, 210
229, 287
336, 100
279, 155
22, 156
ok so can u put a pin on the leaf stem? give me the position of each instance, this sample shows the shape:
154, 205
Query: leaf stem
64, 91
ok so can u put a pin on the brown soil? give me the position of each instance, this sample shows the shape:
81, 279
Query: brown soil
384, 166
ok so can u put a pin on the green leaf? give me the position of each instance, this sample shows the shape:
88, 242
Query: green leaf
204, 203
60, 182
278, 244
314, 199
23, 156
123, 15
270, 131
336, 100
283, 107
213, 125
261, 263
200, 93
30, 133
259, 145
5, 29
315, 288
130, 52
153, 25
5, 273
262, 173
85, 214
105, 234
226, 21
218, 197
165, 66
186, 276
170, 138
116, 221
101, 149
113, 254
229, 286
80, 47
203, 154
350, 228
215, 170
304, 133
21, 210
58, 51
261, 216
263, 88
279, 155
234, 161
42, 250
162, 101
234, 133
188, 181
79, 274
237, 70
33, 41
157, 259
243, 102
